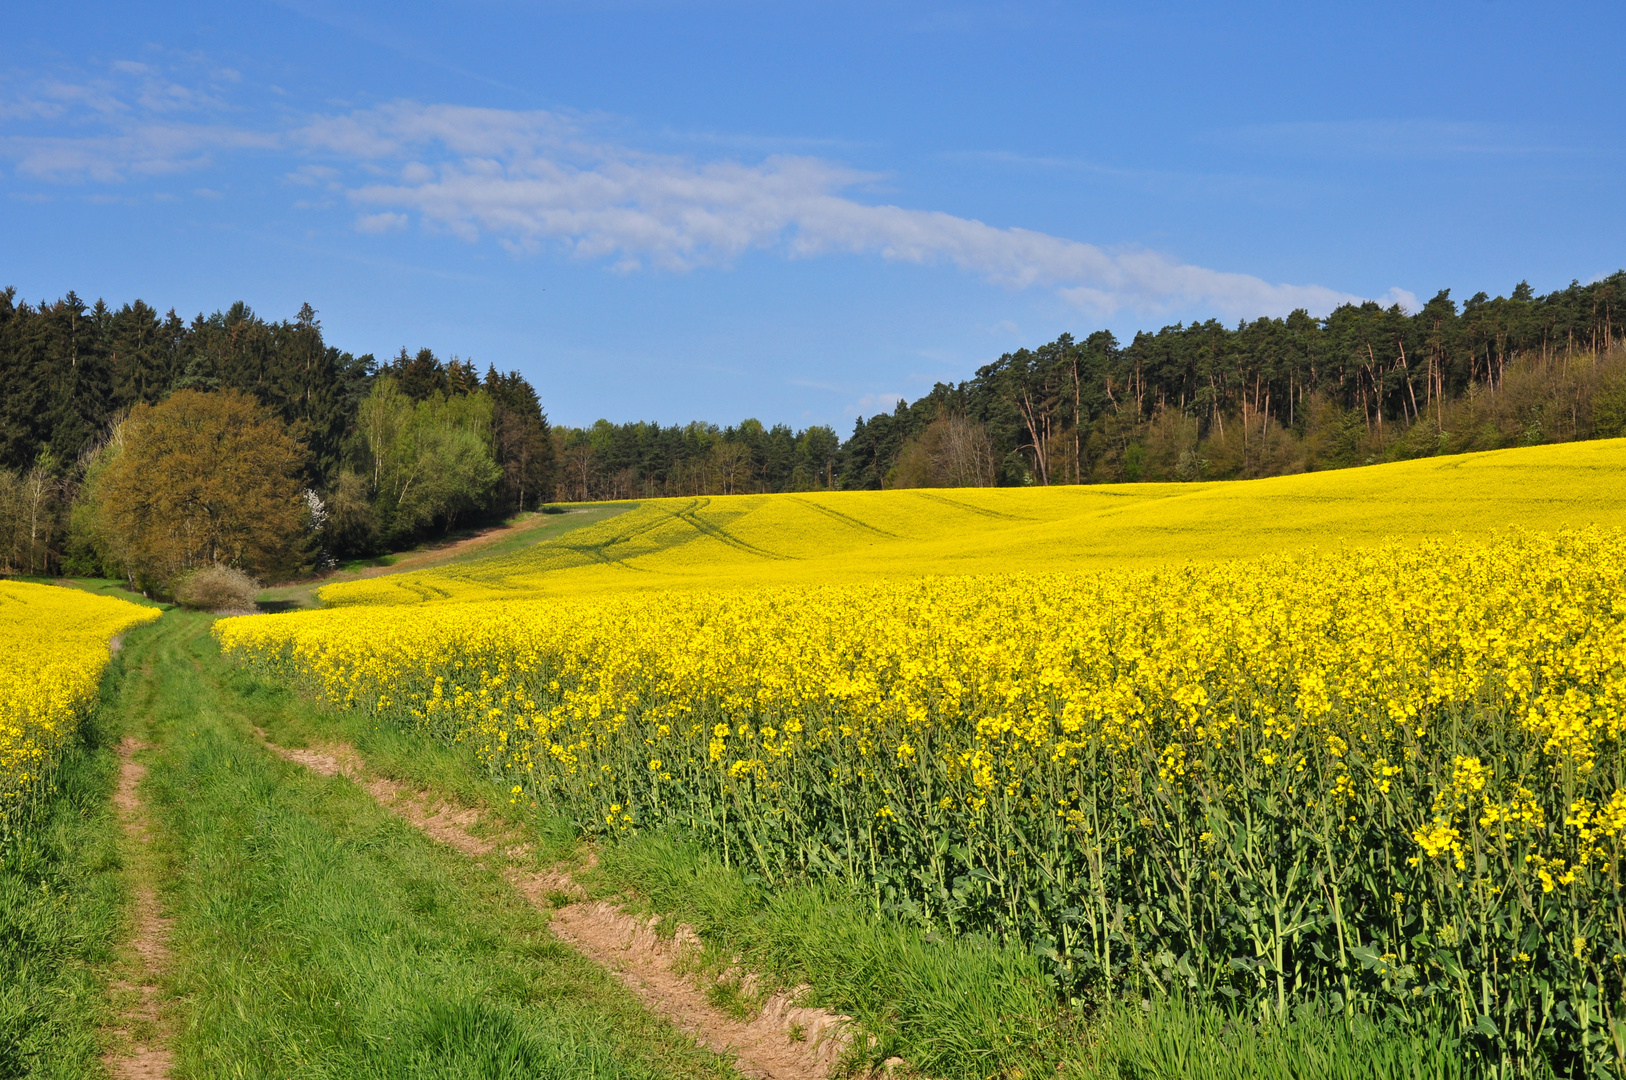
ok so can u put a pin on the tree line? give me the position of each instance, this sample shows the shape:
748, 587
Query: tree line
1202, 400
1187, 402
386, 452
378, 453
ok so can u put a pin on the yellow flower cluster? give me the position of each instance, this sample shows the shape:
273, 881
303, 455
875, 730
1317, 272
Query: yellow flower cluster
839, 537
1389, 773
1334, 665
53, 647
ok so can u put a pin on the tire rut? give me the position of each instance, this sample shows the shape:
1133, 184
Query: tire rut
141, 1029
783, 1041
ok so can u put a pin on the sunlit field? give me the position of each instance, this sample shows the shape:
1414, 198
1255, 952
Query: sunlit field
1348, 741
832, 537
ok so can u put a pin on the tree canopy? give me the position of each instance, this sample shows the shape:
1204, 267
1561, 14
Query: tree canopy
202, 479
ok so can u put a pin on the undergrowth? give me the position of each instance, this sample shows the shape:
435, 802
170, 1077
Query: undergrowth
966, 1007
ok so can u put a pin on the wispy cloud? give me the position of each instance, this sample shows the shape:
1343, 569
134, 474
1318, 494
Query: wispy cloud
381, 223
128, 121
871, 404
1382, 139
139, 150
532, 180
535, 178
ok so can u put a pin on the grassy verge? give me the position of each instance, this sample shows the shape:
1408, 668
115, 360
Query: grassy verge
316, 935
61, 891
951, 1007
451, 770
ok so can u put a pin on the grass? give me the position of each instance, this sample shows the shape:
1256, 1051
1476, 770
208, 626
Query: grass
952, 1007
1176, 1041
316, 935
949, 1007
61, 894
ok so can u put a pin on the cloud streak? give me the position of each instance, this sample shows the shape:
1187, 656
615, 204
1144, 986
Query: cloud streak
534, 180
1398, 139
130, 123
138, 151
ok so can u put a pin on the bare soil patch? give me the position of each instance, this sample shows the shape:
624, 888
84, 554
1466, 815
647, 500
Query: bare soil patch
783, 1042
142, 1054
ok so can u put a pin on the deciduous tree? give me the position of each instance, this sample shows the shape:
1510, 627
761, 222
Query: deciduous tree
203, 479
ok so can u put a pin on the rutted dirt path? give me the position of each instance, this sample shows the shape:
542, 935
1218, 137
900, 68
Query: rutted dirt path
783, 1042
141, 1029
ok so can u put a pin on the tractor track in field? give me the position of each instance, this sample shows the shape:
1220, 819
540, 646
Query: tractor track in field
783, 1042
141, 1031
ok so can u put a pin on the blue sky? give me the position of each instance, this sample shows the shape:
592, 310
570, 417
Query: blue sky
680, 210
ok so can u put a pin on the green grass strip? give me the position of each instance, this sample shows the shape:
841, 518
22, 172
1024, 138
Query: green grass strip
316, 935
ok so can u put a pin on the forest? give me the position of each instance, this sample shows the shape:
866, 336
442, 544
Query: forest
1187, 402
384, 452
390, 451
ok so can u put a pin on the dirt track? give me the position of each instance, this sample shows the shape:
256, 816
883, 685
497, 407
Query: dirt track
141, 1030
783, 1042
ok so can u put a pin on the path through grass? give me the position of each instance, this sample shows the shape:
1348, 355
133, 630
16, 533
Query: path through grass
316, 935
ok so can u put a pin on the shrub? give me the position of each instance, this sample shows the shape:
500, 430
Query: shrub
217, 588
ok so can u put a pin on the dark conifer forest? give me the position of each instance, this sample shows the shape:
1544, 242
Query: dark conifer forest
1187, 402
394, 450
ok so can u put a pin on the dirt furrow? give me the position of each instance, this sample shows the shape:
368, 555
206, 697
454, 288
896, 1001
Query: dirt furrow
141, 1054
783, 1042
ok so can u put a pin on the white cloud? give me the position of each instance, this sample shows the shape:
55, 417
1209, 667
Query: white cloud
110, 129
136, 150
381, 223
873, 404
531, 178
312, 175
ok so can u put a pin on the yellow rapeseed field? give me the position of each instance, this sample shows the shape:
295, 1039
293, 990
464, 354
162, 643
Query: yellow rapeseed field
53, 646
1220, 737
844, 536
